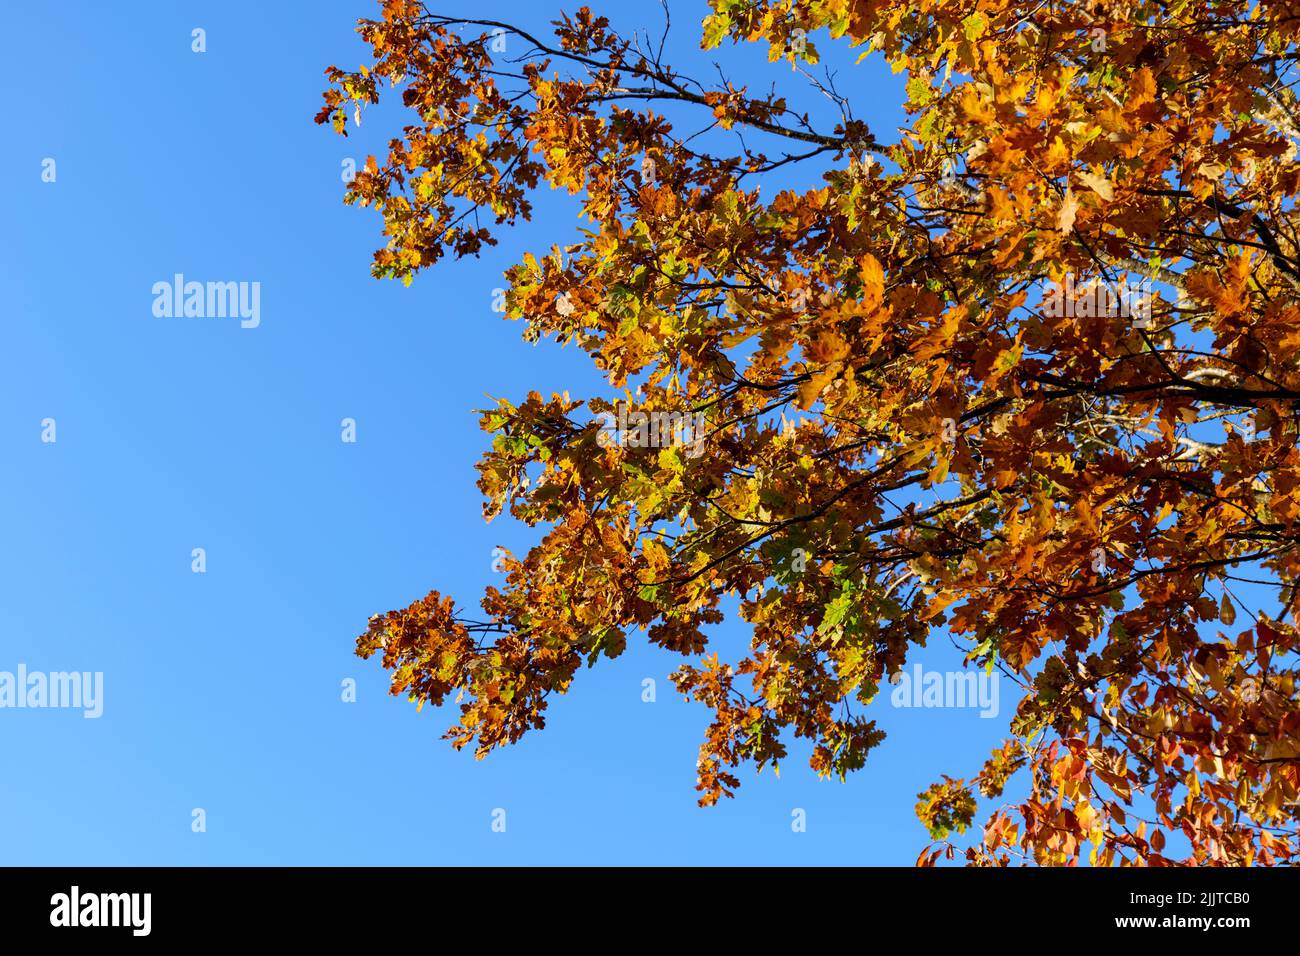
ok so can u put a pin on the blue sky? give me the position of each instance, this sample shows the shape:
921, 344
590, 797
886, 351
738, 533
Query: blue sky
222, 690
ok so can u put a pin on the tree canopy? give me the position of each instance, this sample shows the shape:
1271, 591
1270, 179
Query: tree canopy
1023, 372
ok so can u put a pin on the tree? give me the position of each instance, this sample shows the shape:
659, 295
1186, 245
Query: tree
1025, 373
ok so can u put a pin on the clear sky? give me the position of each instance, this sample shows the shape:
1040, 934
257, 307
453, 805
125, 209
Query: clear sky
222, 690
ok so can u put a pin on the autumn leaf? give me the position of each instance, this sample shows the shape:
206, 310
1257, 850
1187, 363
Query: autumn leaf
1069, 209
1098, 184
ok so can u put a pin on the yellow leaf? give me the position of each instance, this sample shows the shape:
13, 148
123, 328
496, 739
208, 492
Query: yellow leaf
656, 555
1098, 184
873, 281
1069, 208
812, 388
1227, 614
